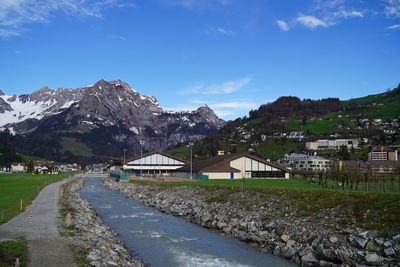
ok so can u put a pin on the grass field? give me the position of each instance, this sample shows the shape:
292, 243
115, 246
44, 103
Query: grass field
11, 250
14, 187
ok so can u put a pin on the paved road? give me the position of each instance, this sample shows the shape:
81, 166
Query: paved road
46, 246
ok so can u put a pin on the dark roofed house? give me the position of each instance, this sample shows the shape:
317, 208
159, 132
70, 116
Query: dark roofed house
237, 166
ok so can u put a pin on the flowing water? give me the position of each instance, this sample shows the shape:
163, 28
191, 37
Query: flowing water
165, 240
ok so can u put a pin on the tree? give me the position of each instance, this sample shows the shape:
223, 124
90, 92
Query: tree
344, 153
30, 167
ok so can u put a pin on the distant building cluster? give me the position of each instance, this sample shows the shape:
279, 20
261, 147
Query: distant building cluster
332, 144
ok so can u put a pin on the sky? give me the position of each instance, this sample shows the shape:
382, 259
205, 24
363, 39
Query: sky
232, 55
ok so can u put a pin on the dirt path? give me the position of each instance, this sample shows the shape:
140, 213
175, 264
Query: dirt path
46, 246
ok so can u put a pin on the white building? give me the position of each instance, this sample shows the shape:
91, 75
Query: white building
154, 163
237, 166
332, 144
18, 167
306, 162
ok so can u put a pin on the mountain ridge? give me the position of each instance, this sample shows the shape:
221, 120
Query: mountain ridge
57, 117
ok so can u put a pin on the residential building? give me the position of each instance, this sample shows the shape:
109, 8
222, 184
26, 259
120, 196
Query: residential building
296, 135
383, 153
18, 167
236, 166
332, 144
375, 167
153, 163
306, 162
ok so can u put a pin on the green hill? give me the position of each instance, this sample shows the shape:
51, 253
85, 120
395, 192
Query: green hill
265, 131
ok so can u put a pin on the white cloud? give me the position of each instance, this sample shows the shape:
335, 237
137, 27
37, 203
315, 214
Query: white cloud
192, 4
15, 14
235, 105
220, 30
393, 27
347, 14
282, 25
311, 22
219, 89
392, 8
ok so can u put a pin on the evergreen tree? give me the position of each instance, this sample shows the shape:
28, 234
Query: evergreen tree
30, 167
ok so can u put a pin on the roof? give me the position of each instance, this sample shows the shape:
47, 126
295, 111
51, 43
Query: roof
18, 164
153, 153
222, 163
385, 149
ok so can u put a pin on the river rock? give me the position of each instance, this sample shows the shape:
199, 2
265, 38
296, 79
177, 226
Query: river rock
309, 258
372, 246
373, 258
361, 241
389, 251
285, 238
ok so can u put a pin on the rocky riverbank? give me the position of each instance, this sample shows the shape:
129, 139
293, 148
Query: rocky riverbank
272, 223
94, 243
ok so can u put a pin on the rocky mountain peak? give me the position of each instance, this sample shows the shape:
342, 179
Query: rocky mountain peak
1, 93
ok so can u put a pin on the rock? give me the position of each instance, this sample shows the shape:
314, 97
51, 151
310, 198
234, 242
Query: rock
372, 246
333, 239
288, 252
93, 256
327, 264
290, 243
368, 234
373, 258
285, 238
331, 255
389, 251
396, 237
309, 258
361, 241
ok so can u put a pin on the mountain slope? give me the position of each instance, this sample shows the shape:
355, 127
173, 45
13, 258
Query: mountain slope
98, 121
267, 130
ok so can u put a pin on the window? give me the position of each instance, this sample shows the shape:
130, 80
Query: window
268, 174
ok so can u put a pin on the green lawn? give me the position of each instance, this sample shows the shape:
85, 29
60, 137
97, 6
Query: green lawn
14, 187
277, 148
295, 184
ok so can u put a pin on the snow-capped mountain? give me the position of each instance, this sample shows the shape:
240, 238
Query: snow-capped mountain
105, 107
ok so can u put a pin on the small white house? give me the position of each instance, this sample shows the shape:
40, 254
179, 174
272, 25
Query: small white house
18, 167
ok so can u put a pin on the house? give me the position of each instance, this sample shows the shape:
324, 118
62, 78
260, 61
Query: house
296, 135
306, 162
153, 163
236, 166
384, 153
18, 167
332, 144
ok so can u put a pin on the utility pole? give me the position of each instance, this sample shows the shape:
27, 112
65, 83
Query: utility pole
141, 158
191, 160
124, 159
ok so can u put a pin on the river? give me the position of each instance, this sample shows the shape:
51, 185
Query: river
165, 240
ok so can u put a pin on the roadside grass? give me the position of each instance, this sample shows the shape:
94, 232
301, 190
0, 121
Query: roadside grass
11, 250
14, 187
375, 211
80, 255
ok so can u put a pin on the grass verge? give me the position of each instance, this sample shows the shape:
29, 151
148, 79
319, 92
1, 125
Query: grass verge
11, 250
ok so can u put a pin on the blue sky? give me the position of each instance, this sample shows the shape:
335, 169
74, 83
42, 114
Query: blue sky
230, 54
